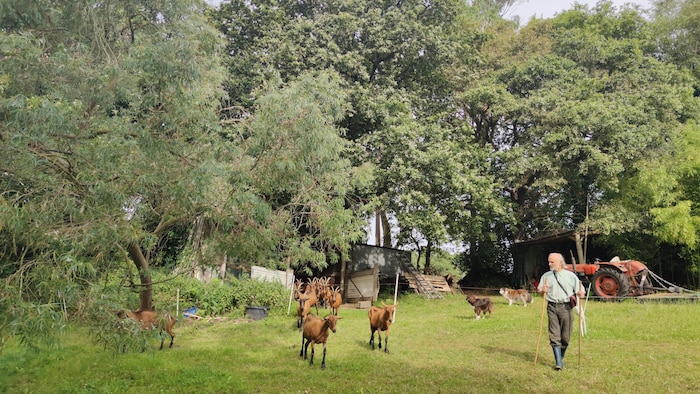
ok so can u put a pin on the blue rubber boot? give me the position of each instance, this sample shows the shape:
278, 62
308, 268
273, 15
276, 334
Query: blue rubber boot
558, 358
563, 354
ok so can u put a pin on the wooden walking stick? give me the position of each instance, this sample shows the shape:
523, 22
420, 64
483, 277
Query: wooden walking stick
539, 335
580, 323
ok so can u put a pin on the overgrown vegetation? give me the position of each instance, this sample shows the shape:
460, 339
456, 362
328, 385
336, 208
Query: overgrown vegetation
101, 303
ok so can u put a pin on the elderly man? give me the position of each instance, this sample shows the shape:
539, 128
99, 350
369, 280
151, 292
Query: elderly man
558, 284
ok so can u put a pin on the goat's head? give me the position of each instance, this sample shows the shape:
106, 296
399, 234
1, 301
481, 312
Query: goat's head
391, 310
332, 320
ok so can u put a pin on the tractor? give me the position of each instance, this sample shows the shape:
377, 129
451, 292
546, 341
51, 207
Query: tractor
614, 279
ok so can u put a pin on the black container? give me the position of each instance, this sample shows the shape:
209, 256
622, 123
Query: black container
257, 312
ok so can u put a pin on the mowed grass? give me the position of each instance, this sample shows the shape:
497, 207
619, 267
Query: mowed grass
436, 346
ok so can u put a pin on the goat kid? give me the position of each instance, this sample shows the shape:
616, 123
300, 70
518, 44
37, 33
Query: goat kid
151, 320
380, 319
316, 331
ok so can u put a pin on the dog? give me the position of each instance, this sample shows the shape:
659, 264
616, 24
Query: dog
481, 306
513, 295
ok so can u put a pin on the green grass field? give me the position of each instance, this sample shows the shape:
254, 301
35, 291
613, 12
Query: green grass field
436, 346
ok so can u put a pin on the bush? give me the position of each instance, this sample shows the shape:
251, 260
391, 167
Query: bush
219, 297
256, 293
216, 298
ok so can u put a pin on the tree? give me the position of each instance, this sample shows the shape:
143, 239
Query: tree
109, 138
677, 33
391, 58
299, 176
568, 121
659, 204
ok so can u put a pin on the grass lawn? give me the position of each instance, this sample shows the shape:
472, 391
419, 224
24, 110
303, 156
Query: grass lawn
436, 346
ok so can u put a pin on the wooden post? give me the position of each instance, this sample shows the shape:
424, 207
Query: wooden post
539, 335
396, 291
291, 295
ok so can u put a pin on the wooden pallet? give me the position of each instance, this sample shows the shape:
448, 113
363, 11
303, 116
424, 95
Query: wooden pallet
438, 282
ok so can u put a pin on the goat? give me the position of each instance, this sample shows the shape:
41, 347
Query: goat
298, 289
151, 320
335, 300
306, 301
316, 331
380, 319
313, 293
300, 296
325, 291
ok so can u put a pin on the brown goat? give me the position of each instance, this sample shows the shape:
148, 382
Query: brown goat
151, 320
325, 290
335, 300
306, 301
302, 310
380, 319
316, 331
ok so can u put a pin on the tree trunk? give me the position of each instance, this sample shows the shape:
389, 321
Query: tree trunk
377, 228
428, 248
386, 227
146, 293
579, 248
197, 246
222, 267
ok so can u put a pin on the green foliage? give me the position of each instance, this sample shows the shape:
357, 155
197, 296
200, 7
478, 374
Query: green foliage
217, 297
36, 326
441, 263
256, 293
104, 316
676, 30
571, 108
108, 129
486, 263
294, 200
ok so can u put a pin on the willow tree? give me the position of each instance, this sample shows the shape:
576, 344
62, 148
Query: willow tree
108, 126
290, 189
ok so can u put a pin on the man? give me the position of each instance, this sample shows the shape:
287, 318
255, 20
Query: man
558, 284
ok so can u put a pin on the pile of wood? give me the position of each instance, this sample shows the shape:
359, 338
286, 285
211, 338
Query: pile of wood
438, 282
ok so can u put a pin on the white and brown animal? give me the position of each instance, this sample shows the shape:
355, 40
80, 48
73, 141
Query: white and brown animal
152, 320
380, 319
315, 331
513, 295
482, 305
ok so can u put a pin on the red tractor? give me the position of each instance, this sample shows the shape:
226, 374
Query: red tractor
613, 279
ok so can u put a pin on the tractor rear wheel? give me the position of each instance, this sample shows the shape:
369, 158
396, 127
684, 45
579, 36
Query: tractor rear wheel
609, 283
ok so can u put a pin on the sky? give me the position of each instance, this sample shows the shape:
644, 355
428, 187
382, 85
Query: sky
526, 9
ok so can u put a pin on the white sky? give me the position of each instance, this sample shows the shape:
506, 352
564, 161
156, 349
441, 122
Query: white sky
526, 9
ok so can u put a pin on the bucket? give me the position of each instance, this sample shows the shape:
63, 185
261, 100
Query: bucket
189, 311
257, 312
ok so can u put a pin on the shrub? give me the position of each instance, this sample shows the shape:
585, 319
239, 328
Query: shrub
253, 292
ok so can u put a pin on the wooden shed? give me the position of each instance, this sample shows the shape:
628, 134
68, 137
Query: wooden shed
530, 257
